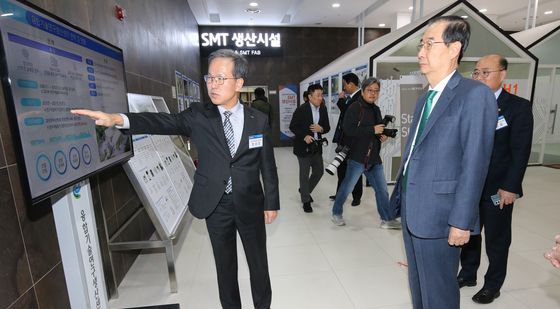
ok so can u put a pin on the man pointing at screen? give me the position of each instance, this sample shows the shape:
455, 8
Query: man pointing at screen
235, 150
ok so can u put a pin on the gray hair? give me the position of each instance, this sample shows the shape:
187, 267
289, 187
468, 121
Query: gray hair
240, 64
369, 81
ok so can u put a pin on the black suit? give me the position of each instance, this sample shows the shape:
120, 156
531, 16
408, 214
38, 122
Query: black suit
241, 211
299, 125
339, 138
510, 155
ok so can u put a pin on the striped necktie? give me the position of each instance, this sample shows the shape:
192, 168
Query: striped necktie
228, 131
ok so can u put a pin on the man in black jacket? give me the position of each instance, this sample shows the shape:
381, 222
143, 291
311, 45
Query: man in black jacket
351, 85
510, 155
236, 159
363, 130
309, 122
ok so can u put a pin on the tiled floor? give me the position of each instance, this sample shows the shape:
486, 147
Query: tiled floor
314, 264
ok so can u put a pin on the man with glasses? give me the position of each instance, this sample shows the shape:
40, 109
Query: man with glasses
363, 127
510, 155
444, 165
234, 150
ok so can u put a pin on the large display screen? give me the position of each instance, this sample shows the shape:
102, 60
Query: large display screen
50, 67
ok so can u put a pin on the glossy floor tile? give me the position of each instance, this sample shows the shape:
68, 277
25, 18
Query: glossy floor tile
314, 264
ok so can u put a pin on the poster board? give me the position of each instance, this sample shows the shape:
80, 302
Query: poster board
157, 171
49, 67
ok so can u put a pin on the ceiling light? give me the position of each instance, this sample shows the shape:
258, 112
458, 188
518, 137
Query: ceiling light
410, 8
482, 10
253, 4
335, 5
381, 25
252, 10
547, 12
464, 16
11, 14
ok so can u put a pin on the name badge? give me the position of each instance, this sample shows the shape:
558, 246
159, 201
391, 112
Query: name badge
502, 123
255, 141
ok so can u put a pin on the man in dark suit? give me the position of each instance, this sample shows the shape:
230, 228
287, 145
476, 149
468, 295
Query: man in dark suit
309, 122
512, 148
351, 93
234, 150
444, 165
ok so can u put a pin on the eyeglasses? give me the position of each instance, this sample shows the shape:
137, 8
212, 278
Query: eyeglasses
218, 80
428, 44
372, 90
483, 73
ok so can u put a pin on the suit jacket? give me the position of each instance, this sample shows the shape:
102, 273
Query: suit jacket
512, 146
301, 120
203, 124
448, 165
343, 105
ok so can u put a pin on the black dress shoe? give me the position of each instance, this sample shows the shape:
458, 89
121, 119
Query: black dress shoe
485, 296
307, 207
332, 197
464, 282
356, 202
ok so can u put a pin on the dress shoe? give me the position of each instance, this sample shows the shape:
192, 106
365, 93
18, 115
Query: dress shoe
356, 202
307, 207
485, 296
332, 197
464, 282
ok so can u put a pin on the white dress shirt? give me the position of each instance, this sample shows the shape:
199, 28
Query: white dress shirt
316, 117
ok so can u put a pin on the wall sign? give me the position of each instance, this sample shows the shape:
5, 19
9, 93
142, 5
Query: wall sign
248, 42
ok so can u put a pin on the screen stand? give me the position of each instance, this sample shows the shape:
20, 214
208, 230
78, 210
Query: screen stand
79, 247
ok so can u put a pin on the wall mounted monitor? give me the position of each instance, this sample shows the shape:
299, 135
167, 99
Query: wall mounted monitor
48, 67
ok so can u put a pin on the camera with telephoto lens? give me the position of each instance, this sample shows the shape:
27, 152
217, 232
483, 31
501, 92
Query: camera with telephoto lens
389, 132
341, 153
316, 145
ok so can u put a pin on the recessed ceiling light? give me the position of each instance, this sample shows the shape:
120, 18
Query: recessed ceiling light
410, 8
482, 10
253, 4
252, 10
335, 5
547, 12
464, 16
381, 25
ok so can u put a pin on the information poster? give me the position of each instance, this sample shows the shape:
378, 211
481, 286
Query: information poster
51, 68
361, 71
157, 170
287, 106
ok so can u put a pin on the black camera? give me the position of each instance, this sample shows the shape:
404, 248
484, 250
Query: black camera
342, 152
389, 132
316, 145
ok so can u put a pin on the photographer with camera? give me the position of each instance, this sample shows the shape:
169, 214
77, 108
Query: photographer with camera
351, 94
364, 132
309, 121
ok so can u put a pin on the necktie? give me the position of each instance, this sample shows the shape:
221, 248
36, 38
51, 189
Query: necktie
228, 131
425, 115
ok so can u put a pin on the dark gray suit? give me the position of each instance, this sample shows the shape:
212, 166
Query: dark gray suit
226, 214
445, 174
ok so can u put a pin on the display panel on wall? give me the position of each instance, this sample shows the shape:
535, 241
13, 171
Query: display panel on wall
50, 67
